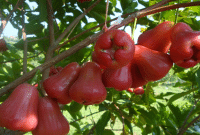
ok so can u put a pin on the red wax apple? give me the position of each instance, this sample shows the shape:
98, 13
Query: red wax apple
185, 48
19, 111
157, 38
58, 85
88, 89
51, 120
114, 49
120, 79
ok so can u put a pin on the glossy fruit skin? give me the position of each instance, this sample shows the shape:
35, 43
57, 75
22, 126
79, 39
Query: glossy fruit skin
153, 65
130, 90
114, 49
137, 79
157, 38
51, 120
3, 45
185, 48
120, 79
88, 89
58, 85
19, 110
95, 59
138, 91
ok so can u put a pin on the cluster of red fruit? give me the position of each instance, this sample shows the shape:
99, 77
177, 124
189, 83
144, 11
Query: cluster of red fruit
117, 63
23, 110
126, 65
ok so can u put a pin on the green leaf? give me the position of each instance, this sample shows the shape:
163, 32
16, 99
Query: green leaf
197, 75
177, 113
74, 116
144, 3
131, 7
125, 3
20, 45
101, 8
102, 108
43, 10
147, 116
99, 18
108, 132
102, 122
137, 99
156, 130
179, 95
75, 107
33, 28
128, 124
90, 25
170, 128
76, 125
114, 2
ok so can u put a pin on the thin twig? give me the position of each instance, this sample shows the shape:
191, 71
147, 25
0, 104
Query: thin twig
69, 34
58, 40
122, 117
177, 12
86, 116
22, 58
184, 123
190, 124
92, 130
19, 2
107, 6
24, 39
49, 53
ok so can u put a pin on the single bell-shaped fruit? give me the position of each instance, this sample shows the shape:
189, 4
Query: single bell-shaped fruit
57, 86
157, 38
185, 48
51, 120
153, 65
120, 78
19, 110
88, 89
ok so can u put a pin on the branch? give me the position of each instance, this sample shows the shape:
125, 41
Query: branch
181, 130
21, 58
72, 50
190, 124
49, 53
164, 8
47, 64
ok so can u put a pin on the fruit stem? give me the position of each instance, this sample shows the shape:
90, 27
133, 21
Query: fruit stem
133, 28
107, 5
177, 10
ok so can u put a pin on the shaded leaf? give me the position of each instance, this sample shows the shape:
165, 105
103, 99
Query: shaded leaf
179, 95
102, 122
